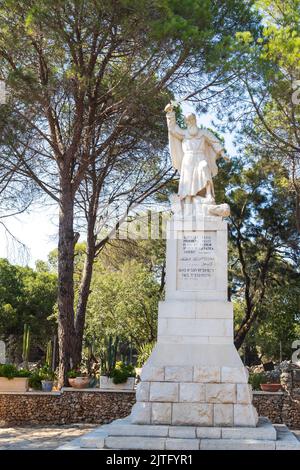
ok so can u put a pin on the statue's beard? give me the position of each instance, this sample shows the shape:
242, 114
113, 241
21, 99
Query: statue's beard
193, 130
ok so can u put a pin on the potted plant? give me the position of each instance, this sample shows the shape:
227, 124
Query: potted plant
120, 377
115, 375
13, 379
77, 379
271, 381
47, 377
256, 379
35, 382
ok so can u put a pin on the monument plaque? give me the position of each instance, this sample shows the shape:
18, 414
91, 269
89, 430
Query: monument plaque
196, 261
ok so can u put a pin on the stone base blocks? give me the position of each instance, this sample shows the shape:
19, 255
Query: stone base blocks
194, 395
194, 375
122, 434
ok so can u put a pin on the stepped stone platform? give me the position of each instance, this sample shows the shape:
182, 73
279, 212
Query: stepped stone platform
122, 434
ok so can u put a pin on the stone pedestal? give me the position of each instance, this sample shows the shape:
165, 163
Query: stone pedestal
195, 376
194, 391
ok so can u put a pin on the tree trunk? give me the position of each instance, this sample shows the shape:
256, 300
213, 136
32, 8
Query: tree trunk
65, 281
84, 291
241, 334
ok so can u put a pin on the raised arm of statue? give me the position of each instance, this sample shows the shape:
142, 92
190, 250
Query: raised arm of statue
176, 135
173, 127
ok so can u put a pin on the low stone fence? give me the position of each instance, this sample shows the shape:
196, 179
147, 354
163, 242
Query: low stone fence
278, 407
101, 406
65, 407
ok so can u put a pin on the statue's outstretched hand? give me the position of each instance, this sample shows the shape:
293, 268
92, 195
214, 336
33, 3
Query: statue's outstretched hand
168, 108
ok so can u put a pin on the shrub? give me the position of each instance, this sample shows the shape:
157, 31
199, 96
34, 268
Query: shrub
121, 373
24, 373
73, 373
9, 371
35, 380
36, 377
255, 379
46, 373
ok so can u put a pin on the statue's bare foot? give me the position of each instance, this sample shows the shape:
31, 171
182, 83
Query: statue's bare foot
222, 210
176, 204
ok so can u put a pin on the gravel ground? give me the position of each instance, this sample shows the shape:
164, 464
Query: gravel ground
40, 437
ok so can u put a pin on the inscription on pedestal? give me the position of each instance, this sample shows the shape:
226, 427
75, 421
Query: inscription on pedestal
196, 261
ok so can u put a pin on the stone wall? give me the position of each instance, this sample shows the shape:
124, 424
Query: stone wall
269, 404
279, 407
64, 407
99, 407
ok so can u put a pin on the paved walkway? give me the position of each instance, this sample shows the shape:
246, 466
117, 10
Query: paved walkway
40, 437
45, 437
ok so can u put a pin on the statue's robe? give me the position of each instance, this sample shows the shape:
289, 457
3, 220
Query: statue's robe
194, 157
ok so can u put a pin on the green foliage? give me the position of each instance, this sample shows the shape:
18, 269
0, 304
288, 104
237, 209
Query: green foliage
121, 372
27, 298
263, 250
110, 355
144, 351
73, 373
266, 98
26, 343
256, 379
35, 380
124, 298
49, 353
46, 373
39, 374
23, 373
10, 371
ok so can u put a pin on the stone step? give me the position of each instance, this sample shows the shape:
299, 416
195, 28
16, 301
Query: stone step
135, 443
286, 440
264, 431
121, 434
237, 444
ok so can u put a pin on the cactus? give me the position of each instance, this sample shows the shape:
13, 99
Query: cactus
90, 352
111, 354
130, 353
26, 345
49, 353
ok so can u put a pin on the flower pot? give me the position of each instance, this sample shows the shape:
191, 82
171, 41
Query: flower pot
270, 387
18, 384
47, 385
79, 382
106, 383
